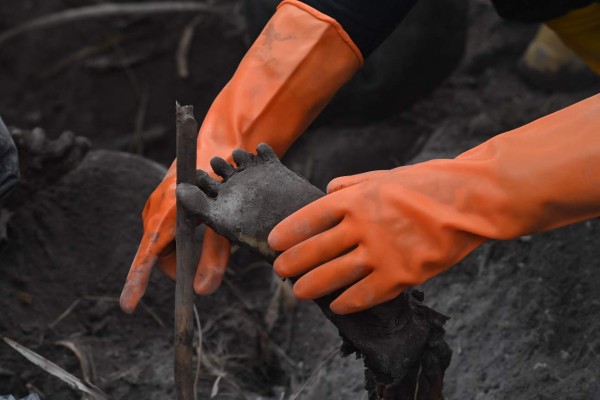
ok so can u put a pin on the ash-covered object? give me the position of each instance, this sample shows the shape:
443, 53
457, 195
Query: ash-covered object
9, 162
400, 341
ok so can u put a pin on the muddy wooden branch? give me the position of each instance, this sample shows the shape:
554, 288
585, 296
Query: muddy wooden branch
401, 341
187, 132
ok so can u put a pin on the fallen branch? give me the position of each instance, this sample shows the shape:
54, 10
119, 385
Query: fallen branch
106, 10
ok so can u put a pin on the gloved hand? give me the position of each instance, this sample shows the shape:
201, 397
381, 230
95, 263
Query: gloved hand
580, 30
381, 232
290, 73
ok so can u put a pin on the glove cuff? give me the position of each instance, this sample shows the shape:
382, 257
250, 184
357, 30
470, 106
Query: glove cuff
325, 18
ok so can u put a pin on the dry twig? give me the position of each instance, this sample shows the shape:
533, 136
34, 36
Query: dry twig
140, 118
272, 312
314, 373
88, 368
259, 326
105, 10
64, 314
152, 314
57, 371
183, 49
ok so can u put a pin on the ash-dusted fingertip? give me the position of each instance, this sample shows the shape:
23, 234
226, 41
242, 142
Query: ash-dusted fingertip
222, 168
241, 158
207, 285
193, 199
280, 269
266, 152
206, 183
129, 299
275, 240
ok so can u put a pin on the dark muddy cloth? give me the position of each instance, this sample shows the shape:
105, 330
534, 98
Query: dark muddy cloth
9, 162
537, 10
369, 22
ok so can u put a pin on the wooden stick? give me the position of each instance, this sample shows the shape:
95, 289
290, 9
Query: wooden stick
187, 132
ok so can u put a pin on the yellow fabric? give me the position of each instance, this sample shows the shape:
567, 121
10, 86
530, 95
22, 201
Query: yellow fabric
580, 30
547, 52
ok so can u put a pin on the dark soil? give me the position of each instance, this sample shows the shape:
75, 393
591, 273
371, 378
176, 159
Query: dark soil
524, 313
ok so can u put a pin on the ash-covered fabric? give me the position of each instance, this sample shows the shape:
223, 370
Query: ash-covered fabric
9, 162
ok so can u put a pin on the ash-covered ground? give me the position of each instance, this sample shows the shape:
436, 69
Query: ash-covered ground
524, 313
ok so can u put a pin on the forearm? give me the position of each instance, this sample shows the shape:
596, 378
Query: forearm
367, 22
546, 174
538, 177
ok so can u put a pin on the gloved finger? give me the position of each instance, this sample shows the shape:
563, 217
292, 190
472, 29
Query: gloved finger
331, 276
213, 261
307, 222
222, 168
266, 152
242, 158
167, 263
346, 181
154, 241
315, 251
367, 293
194, 200
206, 183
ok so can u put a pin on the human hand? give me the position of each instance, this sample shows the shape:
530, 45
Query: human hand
375, 234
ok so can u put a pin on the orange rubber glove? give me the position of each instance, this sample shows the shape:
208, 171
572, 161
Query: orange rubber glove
381, 232
290, 73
